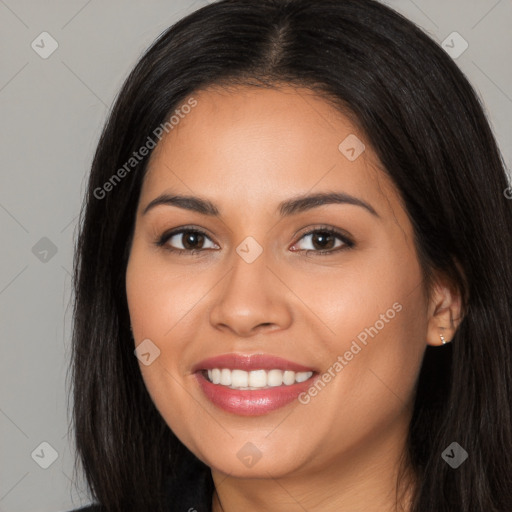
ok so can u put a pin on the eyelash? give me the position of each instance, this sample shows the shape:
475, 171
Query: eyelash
347, 242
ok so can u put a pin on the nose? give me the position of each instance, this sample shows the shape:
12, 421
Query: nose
251, 299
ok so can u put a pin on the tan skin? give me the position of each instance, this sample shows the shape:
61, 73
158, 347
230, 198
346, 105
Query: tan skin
246, 149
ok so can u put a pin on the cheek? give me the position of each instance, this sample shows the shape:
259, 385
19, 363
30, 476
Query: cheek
369, 377
159, 296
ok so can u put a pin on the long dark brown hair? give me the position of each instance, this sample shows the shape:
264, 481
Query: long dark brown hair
428, 128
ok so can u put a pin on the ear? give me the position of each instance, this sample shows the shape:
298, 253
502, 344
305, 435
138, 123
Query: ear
444, 312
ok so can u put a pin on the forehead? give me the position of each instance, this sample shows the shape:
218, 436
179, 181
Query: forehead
264, 145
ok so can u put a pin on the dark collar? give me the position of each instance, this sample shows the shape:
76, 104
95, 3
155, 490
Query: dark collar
191, 488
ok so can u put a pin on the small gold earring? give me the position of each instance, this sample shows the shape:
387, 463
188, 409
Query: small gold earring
442, 339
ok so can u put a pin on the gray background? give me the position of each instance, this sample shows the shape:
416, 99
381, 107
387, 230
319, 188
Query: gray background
52, 111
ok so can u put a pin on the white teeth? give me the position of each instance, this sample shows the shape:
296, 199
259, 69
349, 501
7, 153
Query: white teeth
288, 378
239, 378
302, 376
256, 379
215, 378
225, 377
275, 378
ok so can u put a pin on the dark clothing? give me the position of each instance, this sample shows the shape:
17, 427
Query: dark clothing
191, 490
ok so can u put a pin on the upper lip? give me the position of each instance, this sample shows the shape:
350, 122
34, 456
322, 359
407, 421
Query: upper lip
250, 362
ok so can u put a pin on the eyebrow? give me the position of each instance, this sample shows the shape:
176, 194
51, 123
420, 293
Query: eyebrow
286, 208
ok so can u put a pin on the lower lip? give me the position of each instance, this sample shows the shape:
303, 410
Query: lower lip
251, 402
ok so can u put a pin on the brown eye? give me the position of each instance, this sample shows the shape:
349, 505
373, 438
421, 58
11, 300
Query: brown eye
186, 240
192, 240
325, 240
321, 240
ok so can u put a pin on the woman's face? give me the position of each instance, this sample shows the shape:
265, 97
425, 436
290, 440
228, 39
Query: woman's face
350, 323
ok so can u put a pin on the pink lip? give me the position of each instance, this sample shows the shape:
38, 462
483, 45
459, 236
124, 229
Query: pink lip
251, 402
249, 362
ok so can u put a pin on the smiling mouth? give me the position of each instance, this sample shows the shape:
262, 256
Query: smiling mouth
252, 384
256, 379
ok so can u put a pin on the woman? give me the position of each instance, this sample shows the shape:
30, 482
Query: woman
293, 273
